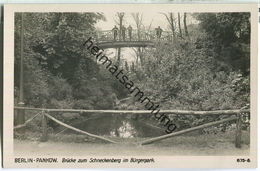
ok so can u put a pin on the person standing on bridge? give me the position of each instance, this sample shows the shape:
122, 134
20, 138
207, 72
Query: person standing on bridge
129, 29
158, 32
115, 31
123, 32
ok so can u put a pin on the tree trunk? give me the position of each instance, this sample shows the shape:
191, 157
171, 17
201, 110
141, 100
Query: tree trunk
140, 54
118, 56
185, 24
120, 16
172, 25
138, 18
179, 24
21, 113
171, 22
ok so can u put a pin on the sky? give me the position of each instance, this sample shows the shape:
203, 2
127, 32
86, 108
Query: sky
156, 18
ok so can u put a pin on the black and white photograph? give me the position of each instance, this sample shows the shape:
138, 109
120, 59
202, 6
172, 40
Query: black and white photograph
139, 84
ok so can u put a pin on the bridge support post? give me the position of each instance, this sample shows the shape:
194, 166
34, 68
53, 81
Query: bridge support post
238, 131
44, 136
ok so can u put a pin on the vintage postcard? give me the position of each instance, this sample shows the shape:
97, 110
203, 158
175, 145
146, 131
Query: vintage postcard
130, 86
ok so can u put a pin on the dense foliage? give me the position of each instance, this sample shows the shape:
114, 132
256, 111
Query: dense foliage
58, 72
207, 70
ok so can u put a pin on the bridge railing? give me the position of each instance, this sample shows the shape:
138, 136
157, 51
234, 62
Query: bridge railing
108, 35
235, 115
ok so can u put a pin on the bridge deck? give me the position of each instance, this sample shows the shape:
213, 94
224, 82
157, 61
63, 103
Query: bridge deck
121, 44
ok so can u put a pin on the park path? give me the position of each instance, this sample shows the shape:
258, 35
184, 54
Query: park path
220, 144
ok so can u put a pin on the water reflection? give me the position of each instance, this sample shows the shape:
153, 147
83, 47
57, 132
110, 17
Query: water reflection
126, 130
119, 126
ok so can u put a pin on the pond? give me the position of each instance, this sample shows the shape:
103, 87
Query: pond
118, 126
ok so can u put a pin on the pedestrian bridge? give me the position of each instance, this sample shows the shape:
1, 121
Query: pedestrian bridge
121, 44
106, 39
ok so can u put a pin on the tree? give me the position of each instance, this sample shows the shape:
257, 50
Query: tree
197, 74
171, 21
179, 24
138, 18
58, 72
120, 16
63, 33
229, 34
185, 24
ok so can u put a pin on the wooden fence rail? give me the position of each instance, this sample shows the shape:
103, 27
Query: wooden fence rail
178, 112
78, 130
232, 118
26, 122
45, 115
